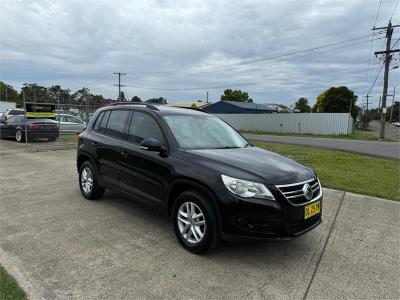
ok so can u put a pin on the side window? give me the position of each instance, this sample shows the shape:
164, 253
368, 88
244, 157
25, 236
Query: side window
116, 123
98, 121
11, 120
144, 126
103, 123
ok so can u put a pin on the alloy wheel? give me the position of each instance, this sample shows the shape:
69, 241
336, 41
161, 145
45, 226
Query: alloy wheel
191, 222
18, 135
87, 180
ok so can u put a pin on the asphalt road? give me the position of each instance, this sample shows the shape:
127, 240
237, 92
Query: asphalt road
373, 148
60, 246
390, 130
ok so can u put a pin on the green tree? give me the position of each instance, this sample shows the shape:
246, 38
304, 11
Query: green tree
81, 96
8, 93
236, 95
136, 99
35, 93
159, 100
337, 100
56, 91
302, 105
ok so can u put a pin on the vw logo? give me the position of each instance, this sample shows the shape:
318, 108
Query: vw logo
307, 191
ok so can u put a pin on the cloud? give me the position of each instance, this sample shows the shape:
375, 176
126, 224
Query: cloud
185, 44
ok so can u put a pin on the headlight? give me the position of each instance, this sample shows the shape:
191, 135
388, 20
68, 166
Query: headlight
247, 189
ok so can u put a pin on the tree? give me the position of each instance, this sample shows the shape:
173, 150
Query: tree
136, 99
159, 100
35, 93
81, 96
56, 91
236, 95
122, 97
302, 105
337, 100
8, 93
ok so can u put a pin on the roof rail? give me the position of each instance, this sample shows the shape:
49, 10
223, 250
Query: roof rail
148, 105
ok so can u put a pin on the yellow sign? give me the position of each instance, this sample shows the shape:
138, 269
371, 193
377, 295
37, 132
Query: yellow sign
40, 115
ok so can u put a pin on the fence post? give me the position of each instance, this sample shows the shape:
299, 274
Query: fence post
26, 120
299, 127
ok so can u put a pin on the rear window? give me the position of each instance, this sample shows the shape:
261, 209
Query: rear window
16, 112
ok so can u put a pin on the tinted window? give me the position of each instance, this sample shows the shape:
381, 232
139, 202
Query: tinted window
116, 123
144, 126
11, 120
16, 112
103, 123
98, 121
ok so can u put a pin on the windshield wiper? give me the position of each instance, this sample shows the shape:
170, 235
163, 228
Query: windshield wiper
227, 147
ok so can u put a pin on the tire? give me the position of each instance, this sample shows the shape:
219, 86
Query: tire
19, 137
192, 234
51, 139
93, 191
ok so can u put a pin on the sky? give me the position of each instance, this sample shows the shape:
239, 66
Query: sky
182, 49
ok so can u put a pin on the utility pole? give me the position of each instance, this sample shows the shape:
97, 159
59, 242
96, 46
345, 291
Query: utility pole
366, 112
207, 97
119, 83
387, 58
391, 108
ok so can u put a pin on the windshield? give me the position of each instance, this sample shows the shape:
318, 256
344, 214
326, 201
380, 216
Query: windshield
203, 132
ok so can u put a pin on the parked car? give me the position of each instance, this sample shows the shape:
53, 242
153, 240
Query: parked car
70, 123
12, 112
396, 124
14, 127
197, 169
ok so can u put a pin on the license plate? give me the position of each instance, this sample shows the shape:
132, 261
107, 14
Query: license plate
312, 209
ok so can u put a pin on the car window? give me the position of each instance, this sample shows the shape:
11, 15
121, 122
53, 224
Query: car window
16, 112
11, 120
98, 121
103, 123
72, 119
116, 123
144, 126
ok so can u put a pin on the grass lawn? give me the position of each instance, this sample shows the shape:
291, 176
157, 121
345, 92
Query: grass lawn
356, 135
9, 288
346, 171
73, 138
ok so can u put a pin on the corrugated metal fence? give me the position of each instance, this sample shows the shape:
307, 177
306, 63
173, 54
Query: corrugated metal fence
313, 123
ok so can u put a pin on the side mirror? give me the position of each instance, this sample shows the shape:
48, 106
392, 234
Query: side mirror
151, 144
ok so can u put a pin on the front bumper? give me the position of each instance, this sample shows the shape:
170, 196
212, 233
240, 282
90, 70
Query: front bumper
266, 219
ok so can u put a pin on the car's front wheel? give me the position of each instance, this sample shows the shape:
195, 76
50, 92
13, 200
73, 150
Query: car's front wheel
195, 222
88, 183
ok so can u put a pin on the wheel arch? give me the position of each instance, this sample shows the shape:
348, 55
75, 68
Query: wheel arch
181, 185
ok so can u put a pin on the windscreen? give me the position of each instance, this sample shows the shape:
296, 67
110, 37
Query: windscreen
203, 132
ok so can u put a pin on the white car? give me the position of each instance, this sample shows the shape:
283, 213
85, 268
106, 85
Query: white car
70, 123
397, 124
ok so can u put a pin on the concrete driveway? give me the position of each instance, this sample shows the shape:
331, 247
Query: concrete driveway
374, 148
60, 246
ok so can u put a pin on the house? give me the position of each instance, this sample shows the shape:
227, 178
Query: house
195, 105
232, 107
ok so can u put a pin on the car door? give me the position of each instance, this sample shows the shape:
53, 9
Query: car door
107, 144
9, 129
76, 125
144, 174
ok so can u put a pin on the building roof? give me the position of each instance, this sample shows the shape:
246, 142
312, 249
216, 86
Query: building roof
188, 104
251, 106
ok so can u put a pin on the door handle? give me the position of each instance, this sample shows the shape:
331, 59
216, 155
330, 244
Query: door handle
124, 154
95, 144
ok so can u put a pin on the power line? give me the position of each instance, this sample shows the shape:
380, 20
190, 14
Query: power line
394, 10
263, 59
377, 13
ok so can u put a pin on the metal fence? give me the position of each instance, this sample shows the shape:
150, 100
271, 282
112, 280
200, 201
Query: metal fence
53, 126
307, 123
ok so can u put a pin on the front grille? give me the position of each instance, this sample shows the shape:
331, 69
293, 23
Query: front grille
294, 194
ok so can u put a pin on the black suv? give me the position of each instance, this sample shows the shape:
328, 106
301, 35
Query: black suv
198, 170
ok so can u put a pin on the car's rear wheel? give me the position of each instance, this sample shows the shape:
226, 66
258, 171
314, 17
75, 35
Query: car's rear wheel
195, 222
88, 183
19, 136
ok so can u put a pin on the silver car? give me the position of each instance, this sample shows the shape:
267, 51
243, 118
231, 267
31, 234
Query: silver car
70, 123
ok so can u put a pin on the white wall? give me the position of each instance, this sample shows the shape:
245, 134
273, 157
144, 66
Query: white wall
313, 123
4, 105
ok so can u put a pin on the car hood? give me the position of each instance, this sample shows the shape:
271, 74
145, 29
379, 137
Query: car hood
260, 164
